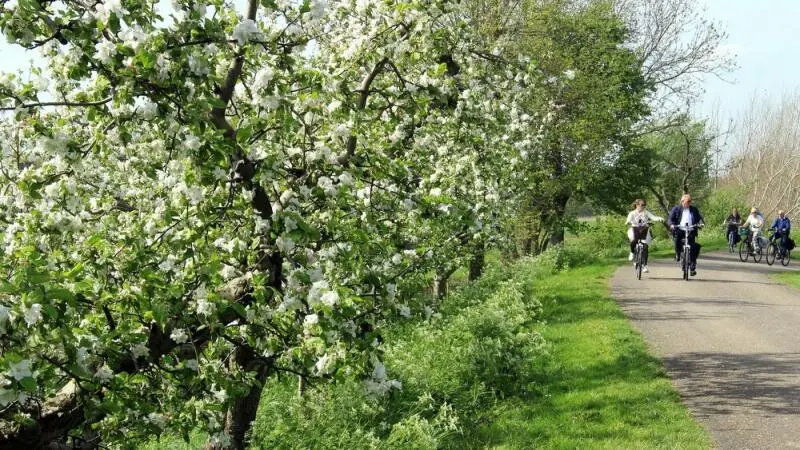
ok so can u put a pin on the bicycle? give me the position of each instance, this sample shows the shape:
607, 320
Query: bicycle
776, 248
731, 235
746, 247
640, 254
686, 259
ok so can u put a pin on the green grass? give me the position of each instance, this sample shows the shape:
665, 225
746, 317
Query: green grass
600, 388
791, 279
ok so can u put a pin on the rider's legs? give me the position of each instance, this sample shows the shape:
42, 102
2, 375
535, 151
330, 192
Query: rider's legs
694, 249
784, 243
678, 240
637, 234
735, 230
755, 235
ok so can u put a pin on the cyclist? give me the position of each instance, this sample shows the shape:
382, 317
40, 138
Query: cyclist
754, 222
782, 227
733, 221
639, 220
686, 215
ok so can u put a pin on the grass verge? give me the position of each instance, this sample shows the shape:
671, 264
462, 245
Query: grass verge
791, 279
600, 388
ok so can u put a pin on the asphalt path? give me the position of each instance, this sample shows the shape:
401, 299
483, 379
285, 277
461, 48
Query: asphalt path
730, 341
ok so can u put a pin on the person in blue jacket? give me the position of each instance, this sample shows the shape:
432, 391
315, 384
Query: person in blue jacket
683, 215
782, 226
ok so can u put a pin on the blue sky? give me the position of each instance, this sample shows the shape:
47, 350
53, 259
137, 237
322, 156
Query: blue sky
765, 35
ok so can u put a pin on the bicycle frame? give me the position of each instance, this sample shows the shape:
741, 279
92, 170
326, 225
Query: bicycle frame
687, 249
638, 258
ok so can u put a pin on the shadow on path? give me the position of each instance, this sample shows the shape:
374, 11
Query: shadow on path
724, 383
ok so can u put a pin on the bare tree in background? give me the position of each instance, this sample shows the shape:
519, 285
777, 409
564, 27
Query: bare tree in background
677, 46
767, 154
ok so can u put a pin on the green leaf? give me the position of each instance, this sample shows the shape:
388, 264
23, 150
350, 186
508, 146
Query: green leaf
36, 277
216, 103
50, 311
7, 288
61, 294
74, 272
244, 133
239, 309
29, 384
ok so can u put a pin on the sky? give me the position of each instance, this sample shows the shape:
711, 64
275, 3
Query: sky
765, 36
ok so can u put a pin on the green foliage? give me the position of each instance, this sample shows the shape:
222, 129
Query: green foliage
602, 236
475, 350
599, 387
718, 205
682, 157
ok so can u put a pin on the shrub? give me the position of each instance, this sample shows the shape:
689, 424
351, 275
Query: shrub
478, 348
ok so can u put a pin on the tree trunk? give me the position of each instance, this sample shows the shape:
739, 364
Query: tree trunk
243, 411
557, 215
477, 261
527, 246
440, 283
557, 236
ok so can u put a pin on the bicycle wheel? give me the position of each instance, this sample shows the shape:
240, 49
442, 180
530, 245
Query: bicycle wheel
758, 254
685, 263
744, 251
772, 253
785, 260
638, 266
731, 242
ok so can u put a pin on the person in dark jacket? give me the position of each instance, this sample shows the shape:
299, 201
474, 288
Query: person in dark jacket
733, 222
686, 215
782, 226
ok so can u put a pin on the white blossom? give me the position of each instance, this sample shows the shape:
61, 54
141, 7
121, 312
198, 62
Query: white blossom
140, 350
244, 30
228, 272
105, 51
262, 78
33, 314
318, 8
330, 298
157, 419
20, 370
179, 335
285, 244
104, 374
205, 307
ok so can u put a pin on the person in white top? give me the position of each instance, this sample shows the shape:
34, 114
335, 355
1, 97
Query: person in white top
639, 220
755, 223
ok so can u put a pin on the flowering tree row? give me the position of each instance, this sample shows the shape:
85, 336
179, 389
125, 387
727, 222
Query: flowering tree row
200, 197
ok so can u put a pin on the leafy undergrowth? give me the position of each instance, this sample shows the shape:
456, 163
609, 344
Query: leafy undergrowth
533, 355
599, 388
536, 355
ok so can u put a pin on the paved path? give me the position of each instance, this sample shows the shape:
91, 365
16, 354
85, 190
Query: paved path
730, 341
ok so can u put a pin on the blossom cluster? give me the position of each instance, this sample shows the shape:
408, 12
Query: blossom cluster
361, 146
